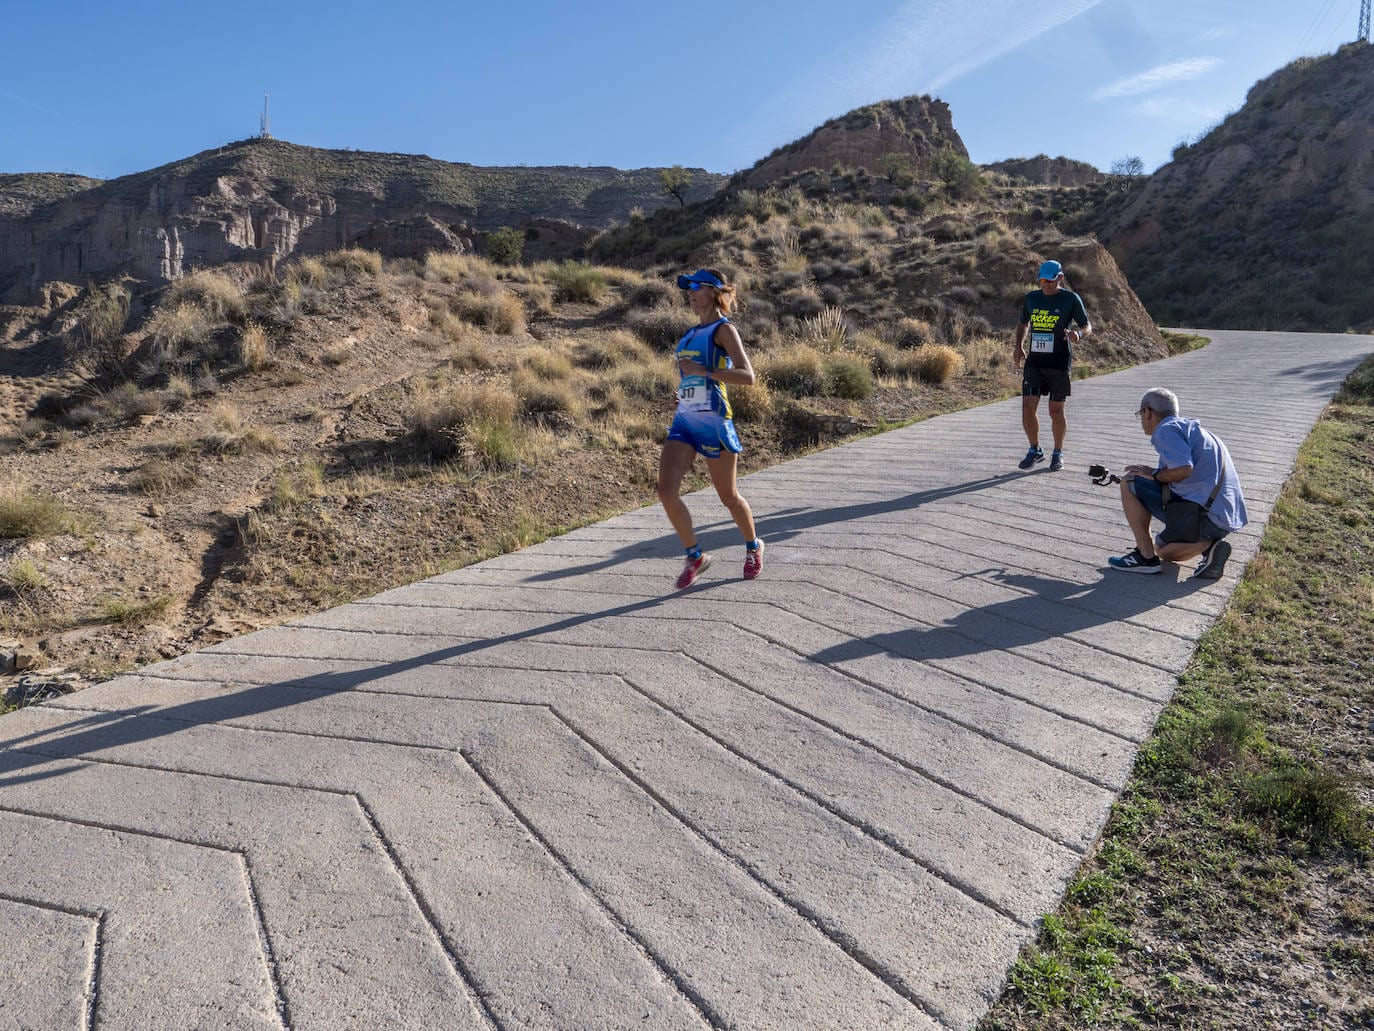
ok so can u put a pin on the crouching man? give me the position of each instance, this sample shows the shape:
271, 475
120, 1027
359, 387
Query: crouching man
1194, 491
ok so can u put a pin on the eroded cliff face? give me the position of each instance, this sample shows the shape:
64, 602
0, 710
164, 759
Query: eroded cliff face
1263, 223
266, 199
913, 128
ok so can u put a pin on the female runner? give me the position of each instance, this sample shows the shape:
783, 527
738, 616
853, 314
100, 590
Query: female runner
710, 355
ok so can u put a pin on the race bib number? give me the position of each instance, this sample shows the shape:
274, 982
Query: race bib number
1042, 343
693, 395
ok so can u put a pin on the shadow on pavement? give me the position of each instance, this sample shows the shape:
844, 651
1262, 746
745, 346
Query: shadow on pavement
91, 733
1053, 609
775, 527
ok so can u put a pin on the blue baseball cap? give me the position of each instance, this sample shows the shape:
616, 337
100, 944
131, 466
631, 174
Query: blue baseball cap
1051, 270
703, 276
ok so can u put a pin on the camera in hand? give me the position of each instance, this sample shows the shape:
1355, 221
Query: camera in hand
1102, 476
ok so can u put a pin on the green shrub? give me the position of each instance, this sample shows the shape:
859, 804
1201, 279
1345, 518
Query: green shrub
848, 377
960, 176
1303, 802
579, 283
506, 246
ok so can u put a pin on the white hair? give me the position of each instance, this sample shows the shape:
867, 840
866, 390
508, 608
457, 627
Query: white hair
1161, 401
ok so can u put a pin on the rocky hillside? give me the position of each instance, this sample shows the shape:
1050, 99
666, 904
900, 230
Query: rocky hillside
1265, 222
898, 136
268, 198
1047, 171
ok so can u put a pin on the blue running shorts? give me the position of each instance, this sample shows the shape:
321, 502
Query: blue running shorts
706, 432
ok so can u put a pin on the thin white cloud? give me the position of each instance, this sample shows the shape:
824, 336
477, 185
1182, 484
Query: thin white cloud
1158, 78
922, 47
927, 44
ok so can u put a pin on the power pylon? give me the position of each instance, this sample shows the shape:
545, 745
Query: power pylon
1364, 20
265, 122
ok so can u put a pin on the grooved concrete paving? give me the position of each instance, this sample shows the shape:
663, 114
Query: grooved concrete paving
547, 792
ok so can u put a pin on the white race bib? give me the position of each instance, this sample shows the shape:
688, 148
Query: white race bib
693, 395
1042, 343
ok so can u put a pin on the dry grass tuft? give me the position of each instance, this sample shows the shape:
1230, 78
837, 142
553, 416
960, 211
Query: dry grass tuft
252, 347
214, 293
440, 417
229, 435
799, 370
354, 262
25, 516
936, 363
753, 403
611, 349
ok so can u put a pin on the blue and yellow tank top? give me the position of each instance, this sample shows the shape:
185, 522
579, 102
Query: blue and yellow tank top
697, 393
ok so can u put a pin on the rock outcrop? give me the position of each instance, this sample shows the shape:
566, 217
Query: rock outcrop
1044, 170
263, 198
909, 131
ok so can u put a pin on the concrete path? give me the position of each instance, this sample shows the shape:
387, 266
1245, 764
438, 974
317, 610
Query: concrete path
545, 792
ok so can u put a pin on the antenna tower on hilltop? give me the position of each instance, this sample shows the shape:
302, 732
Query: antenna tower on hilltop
265, 122
1364, 21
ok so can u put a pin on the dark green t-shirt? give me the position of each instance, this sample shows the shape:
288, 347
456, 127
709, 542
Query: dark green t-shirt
1047, 342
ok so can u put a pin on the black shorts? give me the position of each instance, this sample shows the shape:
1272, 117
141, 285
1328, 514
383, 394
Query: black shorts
1037, 381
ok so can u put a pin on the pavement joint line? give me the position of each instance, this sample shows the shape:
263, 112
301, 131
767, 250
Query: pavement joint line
862, 742
971, 727
1074, 718
97, 919
905, 764
269, 953
912, 767
368, 820
465, 975
1057, 603
874, 833
671, 976
369, 817
235, 855
860, 957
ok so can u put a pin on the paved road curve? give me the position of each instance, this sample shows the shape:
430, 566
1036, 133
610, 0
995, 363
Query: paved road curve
544, 792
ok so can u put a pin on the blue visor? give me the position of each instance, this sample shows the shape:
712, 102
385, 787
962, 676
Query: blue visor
701, 277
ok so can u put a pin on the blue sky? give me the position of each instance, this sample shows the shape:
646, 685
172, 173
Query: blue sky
109, 89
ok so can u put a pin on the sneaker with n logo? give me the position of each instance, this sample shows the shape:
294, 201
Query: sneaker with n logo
1134, 562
